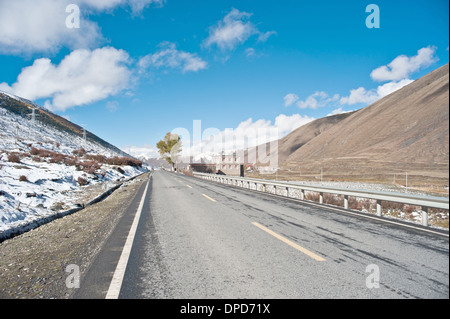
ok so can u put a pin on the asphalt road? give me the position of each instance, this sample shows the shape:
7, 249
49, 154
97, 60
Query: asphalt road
202, 240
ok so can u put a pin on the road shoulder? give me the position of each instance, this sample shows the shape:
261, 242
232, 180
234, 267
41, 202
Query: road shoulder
35, 264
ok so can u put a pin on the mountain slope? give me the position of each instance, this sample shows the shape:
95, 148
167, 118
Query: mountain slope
47, 166
410, 124
23, 107
406, 131
294, 141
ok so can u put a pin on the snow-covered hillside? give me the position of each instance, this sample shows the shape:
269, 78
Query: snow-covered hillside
44, 170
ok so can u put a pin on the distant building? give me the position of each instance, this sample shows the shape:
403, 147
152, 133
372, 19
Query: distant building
202, 168
228, 164
220, 164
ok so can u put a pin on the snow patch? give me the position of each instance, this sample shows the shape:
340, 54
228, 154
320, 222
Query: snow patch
35, 188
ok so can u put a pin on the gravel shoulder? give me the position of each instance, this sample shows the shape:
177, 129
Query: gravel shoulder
33, 265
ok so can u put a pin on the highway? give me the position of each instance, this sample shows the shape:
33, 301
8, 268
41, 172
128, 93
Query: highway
197, 239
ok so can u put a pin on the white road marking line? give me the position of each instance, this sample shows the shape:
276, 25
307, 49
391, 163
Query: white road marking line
116, 282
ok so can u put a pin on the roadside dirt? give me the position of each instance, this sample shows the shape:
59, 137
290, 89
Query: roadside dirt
33, 265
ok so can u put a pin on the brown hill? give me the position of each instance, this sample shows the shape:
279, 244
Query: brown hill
293, 141
406, 132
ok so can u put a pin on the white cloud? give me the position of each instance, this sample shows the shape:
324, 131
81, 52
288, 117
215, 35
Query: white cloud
317, 99
137, 6
290, 99
213, 141
112, 106
338, 111
286, 124
361, 95
248, 133
397, 73
82, 77
170, 58
403, 66
356, 96
146, 151
263, 37
30, 26
99, 5
250, 52
390, 87
234, 29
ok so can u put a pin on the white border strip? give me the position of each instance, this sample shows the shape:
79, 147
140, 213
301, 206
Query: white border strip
119, 273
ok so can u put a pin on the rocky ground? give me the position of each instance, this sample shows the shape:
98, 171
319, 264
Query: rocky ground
34, 265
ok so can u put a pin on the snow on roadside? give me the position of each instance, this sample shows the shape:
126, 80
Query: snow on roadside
47, 188
34, 187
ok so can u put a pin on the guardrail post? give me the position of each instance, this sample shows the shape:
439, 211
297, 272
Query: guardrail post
378, 207
425, 216
425, 203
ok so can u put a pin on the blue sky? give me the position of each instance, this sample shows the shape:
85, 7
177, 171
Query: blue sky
136, 69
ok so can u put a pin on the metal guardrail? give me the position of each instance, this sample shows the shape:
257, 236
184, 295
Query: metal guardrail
425, 202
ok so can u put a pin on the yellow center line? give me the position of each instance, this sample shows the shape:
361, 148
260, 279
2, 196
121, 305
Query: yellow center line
188, 186
290, 243
213, 200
